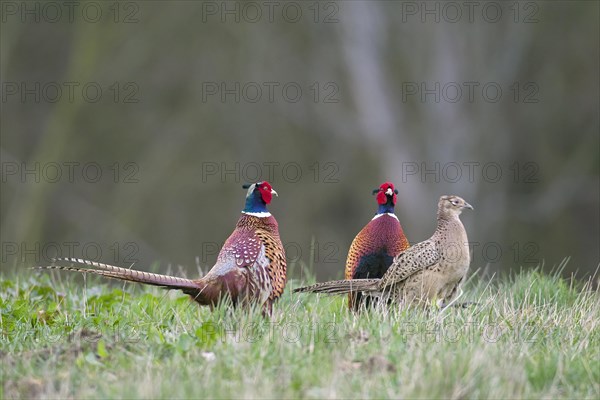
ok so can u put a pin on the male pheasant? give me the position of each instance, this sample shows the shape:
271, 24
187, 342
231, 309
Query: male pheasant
375, 246
429, 271
250, 268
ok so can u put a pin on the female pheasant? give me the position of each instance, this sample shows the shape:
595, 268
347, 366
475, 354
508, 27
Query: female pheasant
250, 268
374, 248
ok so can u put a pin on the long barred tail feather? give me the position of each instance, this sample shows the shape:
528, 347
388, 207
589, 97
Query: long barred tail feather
130, 275
345, 286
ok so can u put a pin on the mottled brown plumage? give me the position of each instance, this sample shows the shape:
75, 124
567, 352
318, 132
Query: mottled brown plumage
375, 246
429, 271
250, 268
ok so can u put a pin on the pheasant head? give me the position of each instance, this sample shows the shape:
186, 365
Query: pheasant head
452, 206
258, 196
386, 197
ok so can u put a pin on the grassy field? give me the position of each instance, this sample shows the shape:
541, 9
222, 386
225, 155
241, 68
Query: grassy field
532, 336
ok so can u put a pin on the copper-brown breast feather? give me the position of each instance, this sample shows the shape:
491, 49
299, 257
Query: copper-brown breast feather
277, 267
384, 232
267, 231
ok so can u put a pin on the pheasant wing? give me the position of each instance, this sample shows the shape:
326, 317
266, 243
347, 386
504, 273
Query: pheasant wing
416, 258
257, 255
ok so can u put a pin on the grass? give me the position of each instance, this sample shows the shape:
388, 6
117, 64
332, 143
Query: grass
532, 336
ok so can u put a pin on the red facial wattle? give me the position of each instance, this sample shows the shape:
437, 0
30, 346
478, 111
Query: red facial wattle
266, 192
381, 196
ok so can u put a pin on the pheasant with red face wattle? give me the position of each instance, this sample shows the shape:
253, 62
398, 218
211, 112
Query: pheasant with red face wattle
250, 268
374, 248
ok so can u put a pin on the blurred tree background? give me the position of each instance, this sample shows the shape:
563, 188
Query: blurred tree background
176, 104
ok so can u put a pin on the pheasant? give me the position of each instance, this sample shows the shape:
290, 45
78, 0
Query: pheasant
250, 268
375, 246
429, 271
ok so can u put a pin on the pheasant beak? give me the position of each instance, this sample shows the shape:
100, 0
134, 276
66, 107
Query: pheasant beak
275, 193
389, 192
467, 205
